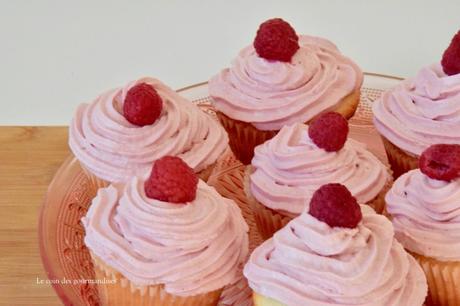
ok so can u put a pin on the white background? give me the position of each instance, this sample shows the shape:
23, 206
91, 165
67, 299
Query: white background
56, 54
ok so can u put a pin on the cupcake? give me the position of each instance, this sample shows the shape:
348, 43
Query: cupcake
287, 169
169, 239
124, 130
424, 205
421, 111
283, 78
337, 253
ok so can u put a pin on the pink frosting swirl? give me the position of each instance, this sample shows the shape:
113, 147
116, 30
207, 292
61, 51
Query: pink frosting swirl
309, 263
289, 168
426, 215
421, 111
270, 94
191, 249
113, 149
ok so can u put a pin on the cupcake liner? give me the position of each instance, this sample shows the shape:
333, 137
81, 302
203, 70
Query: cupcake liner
244, 137
94, 182
443, 279
206, 172
400, 161
269, 221
114, 289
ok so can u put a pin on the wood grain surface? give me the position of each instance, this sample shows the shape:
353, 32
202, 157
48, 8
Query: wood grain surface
29, 157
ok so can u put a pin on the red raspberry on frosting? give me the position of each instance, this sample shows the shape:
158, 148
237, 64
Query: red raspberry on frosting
451, 58
441, 162
335, 205
171, 180
329, 131
142, 105
276, 40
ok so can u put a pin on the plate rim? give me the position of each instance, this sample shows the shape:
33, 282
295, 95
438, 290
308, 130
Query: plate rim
373, 74
50, 273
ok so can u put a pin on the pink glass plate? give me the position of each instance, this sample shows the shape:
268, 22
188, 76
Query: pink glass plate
64, 255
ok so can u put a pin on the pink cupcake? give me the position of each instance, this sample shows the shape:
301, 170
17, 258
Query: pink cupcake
167, 240
281, 79
287, 169
124, 130
424, 206
421, 111
337, 253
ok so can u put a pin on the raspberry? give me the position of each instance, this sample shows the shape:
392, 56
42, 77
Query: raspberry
276, 40
441, 162
142, 105
171, 180
451, 58
334, 205
329, 131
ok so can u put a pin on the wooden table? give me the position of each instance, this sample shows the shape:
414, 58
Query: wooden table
29, 157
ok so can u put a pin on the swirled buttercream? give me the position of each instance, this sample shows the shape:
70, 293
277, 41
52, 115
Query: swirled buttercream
115, 150
426, 215
191, 248
421, 111
309, 263
289, 168
270, 94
